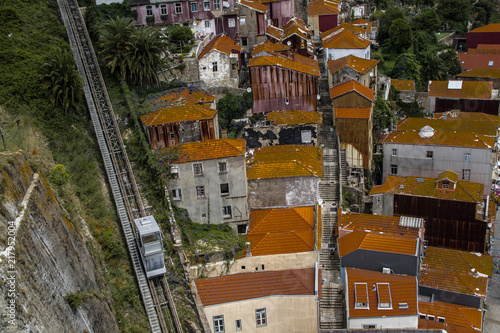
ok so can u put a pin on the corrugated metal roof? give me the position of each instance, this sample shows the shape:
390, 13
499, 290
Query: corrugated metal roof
457, 318
295, 117
377, 242
210, 149
411, 222
344, 88
220, 43
360, 65
378, 223
345, 40
353, 113
469, 90
178, 114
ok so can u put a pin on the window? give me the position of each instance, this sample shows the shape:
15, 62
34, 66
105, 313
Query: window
466, 174
218, 323
224, 189
207, 24
172, 135
198, 169
149, 10
174, 171
216, 4
163, 9
176, 194
242, 20
242, 228
260, 317
200, 191
441, 319
430, 154
244, 41
467, 157
394, 152
214, 66
231, 22
394, 169
368, 326
222, 167
384, 305
446, 184
238, 324
206, 5
226, 212
194, 6
178, 8
403, 305
305, 136
361, 305
421, 316
431, 318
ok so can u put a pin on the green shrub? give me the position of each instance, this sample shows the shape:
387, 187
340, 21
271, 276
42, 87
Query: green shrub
58, 175
150, 19
75, 299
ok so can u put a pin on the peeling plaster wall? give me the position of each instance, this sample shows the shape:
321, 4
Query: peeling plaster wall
283, 192
223, 76
189, 132
279, 135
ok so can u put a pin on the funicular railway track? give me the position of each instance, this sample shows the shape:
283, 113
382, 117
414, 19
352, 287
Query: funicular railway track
155, 292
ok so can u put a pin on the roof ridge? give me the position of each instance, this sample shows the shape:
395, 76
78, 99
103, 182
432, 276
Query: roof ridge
299, 279
466, 192
262, 220
295, 232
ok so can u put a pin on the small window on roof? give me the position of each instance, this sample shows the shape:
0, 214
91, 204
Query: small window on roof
431, 318
490, 63
421, 316
441, 319
403, 305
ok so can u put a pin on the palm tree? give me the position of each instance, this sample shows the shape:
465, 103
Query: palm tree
61, 79
433, 67
115, 34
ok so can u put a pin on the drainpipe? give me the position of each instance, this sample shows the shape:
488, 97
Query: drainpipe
486, 207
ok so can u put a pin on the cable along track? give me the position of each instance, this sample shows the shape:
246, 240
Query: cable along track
127, 199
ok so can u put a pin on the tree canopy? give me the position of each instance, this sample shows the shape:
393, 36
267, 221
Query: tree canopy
179, 37
455, 13
400, 36
233, 107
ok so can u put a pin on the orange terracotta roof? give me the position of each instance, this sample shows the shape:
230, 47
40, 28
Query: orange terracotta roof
210, 149
298, 63
457, 271
353, 113
361, 21
295, 117
375, 223
322, 7
472, 60
484, 51
244, 286
402, 288
467, 116
362, 240
488, 73
457, 318
279, 231
360, 65
254, 5
349, 86
470, 89
220, 43
492, 27
181, 97
346, 40
284, 161
426, 187
178, 114
270, 47
298, 27
447, 175
451, 125
274, 32
358, 30
403, 85
488, 46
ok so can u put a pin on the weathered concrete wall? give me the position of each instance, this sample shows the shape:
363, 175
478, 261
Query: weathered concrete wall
407, 96
386, 322
279, 135
255, 263
223, 76
189, 74
189, 131
282, 192
423, 99
383, 204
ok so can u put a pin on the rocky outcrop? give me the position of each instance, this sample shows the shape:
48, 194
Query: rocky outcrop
49, 260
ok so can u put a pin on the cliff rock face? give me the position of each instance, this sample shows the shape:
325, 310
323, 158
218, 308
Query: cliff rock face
51, 260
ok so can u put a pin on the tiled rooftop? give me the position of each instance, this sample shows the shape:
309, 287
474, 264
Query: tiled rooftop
451, 125
220, 43
375, 223
298, 27
270, 47
279, 231
184, 96
360, 65
177, 114
362, 240
244, 286
457, 318
254, 5
457, 271
493, 27
349, 86
298, 63
210, 149
275, 32
468, 116
344, 26
295, 117
346, 40
353, 113
469, 90
403, 85
426, 187
488, 73
284, 161
474, 60
402, 289
322, 7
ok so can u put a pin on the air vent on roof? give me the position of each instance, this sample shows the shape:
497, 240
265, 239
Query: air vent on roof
426, 132
386, 270
452, 84
403, 305
490, 63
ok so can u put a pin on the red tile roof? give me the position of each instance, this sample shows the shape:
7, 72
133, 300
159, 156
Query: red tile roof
220, 43
279, 231
403, 85
358, 30
297, 27
451, 125
298, 63
469, 90
403, 289
270, 47
274, 32
284, 161
484, 50
184, 96
457, 318
375, 223
346, 40
362, 240
426, 187
467, 116
322, 7
349, 86
254, 5
473, 60
244, 286
457, 271
295, 117
210, 149
492, 27
360, 65
488, 73
178, 114
353, 113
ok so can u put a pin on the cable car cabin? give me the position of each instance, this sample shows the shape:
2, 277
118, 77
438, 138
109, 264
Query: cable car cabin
150, 246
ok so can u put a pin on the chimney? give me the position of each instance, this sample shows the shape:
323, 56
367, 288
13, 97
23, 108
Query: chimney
249, 250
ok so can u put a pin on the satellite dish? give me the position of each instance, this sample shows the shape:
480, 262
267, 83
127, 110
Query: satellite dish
210, 66
318, 97
249, 90
289, 43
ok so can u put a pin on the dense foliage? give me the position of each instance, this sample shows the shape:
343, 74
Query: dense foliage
233, 107
180, 38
